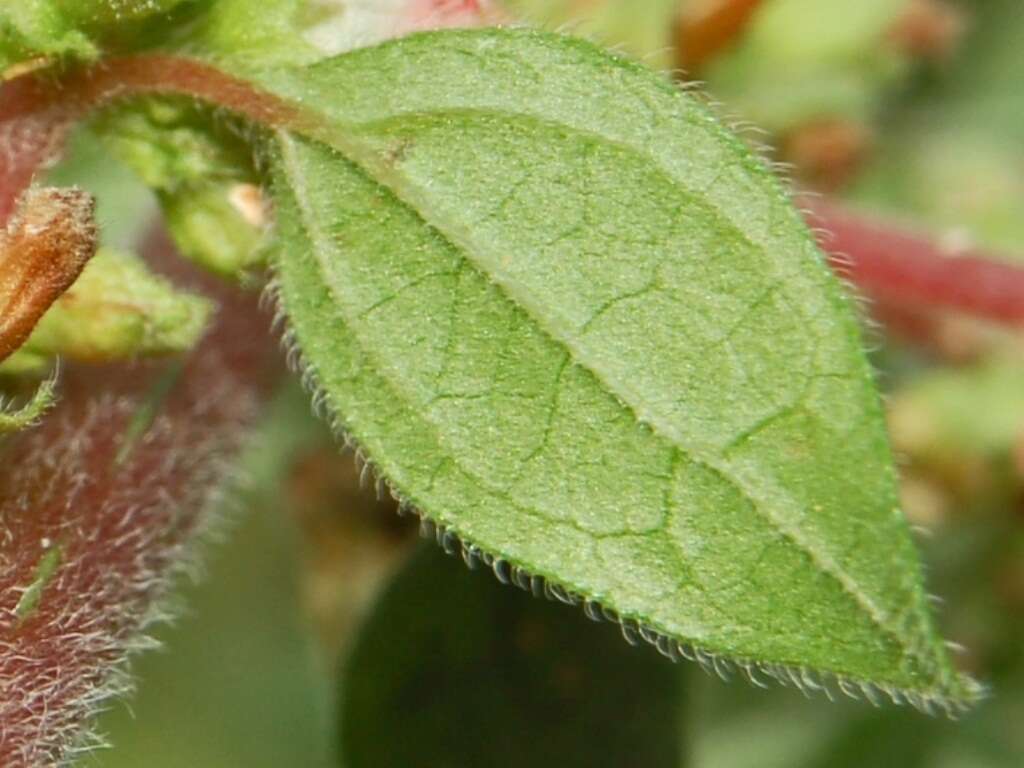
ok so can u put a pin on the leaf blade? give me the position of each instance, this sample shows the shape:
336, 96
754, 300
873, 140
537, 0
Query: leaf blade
514, 323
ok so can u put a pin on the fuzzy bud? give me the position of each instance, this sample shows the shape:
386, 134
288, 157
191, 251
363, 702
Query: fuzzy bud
43, 249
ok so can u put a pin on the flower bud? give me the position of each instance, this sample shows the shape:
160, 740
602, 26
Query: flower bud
43, 249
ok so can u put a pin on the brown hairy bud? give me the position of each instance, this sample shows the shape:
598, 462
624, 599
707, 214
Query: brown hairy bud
43, 249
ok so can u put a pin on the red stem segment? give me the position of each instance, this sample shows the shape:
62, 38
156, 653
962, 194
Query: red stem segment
32, 133
901, 267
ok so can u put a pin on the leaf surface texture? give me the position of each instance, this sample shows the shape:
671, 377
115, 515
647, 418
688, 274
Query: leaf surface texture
578, 324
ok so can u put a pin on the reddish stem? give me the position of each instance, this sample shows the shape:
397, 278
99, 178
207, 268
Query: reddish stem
32, 133
905, 268
89, 88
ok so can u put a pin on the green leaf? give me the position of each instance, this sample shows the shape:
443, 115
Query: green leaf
39, 27
489, 676
230, 30
580, 326
100, 14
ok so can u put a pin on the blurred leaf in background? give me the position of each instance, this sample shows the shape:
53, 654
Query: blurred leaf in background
454, 670
803, 60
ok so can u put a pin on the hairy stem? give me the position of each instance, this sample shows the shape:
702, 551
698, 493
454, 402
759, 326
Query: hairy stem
32, 133
99, 506
901, 267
